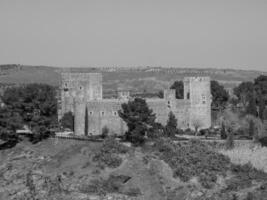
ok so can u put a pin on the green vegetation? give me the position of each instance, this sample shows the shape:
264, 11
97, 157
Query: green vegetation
109, 153
33, 105
220, 96
67, 121
253, 96
171, 127
179, 89
139, 119
193, 159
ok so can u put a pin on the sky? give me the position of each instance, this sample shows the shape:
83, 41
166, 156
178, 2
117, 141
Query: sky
178, 33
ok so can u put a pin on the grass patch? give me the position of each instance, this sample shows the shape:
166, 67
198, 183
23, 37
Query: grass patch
242, 155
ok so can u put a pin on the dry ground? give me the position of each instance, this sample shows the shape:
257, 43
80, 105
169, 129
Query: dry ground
63, 169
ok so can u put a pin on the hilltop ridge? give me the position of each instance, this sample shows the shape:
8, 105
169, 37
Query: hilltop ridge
134, 78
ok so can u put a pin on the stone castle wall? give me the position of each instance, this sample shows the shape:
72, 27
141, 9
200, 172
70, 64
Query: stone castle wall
82, 92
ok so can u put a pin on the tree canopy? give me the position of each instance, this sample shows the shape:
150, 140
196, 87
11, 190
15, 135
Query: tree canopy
253, 96
34, 105
220, 96
179, 89
171, 126
243, 92
139, 119
67, 121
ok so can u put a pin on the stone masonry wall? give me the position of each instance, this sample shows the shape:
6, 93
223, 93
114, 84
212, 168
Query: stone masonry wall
83, 91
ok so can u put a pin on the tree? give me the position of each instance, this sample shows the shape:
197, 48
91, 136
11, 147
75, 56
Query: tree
67, 121
243, 92
223, 132
139, 119
36, 104
252, 107
171, 126
10, 121
260, 84
179, 89
172, 121
261, 107
219, 95
160, 94
86, 122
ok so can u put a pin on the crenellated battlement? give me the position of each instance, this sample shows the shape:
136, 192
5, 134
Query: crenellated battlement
197, 78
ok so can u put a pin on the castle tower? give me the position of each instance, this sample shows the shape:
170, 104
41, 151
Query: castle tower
170, 98
82, 85
197, 91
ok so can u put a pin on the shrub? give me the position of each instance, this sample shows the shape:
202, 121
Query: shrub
108, 155
193, 159
188, 131
105, 132
263, 141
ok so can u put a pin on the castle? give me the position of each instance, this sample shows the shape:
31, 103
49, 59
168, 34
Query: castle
82, 94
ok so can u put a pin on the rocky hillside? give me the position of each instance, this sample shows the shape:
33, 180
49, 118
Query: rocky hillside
64, 169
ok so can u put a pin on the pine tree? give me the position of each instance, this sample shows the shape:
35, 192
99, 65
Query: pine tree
171, 126
223, 132
86, 122
172, 121
139, 119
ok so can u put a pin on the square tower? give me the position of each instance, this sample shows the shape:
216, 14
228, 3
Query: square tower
197, 91
79, 85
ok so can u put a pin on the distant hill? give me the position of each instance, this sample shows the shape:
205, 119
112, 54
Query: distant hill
135, 79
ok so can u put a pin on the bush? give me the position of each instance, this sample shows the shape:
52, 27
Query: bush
179, 131
188, 131
263, 141
193, 159
108, 154
105, 132
67, 121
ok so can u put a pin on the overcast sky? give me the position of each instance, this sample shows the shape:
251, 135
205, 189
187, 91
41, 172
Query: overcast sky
200, 33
